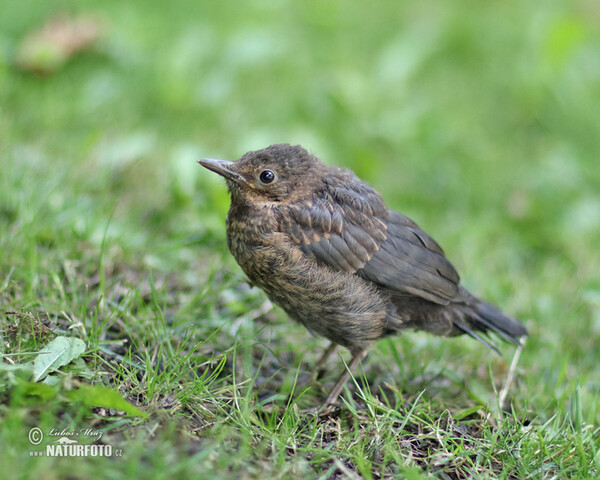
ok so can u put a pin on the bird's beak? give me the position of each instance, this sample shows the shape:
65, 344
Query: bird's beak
222, 167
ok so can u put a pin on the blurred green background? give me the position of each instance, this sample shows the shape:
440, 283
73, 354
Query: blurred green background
480, 120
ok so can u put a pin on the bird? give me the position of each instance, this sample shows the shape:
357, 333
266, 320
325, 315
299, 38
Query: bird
323, 245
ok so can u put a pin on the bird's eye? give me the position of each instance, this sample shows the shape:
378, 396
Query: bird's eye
266, 176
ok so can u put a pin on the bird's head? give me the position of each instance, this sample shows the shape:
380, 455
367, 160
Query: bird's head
278, 173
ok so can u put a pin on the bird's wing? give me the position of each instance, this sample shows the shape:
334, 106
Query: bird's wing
349, 228
410, 261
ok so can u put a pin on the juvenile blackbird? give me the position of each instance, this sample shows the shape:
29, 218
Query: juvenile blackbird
323, 246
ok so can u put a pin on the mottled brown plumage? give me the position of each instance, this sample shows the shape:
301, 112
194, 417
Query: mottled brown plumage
323, 246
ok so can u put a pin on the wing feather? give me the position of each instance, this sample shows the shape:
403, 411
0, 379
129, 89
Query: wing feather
349, 228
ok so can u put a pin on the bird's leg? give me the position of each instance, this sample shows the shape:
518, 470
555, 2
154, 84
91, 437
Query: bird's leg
319, 365
357, 356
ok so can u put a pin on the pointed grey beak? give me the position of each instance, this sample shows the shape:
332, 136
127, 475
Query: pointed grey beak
222, 167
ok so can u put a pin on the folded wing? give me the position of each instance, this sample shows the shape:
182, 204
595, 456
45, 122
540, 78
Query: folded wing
349, 228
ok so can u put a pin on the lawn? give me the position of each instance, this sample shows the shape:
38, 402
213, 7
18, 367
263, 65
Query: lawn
123, 315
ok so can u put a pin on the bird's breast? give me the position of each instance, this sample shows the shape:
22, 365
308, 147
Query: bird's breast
252, 238
334, 304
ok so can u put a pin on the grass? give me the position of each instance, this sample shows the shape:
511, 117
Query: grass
478, 120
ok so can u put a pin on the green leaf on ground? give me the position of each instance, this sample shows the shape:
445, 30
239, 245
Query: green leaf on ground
33, 389
101, 396
58, 352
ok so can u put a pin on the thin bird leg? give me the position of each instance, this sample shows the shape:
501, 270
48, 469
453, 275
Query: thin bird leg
337, 388
321, 362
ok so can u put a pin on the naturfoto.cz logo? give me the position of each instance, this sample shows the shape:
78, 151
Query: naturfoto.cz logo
65, 446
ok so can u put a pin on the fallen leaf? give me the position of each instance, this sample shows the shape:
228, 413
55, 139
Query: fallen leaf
58, 352
46, 50
101, 396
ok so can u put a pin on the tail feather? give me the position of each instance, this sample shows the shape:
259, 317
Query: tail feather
484, 317
506, 327
470, 332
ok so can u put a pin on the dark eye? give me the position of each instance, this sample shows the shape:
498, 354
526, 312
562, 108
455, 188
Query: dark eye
266, 176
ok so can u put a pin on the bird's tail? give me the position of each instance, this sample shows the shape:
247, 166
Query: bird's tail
480, 318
